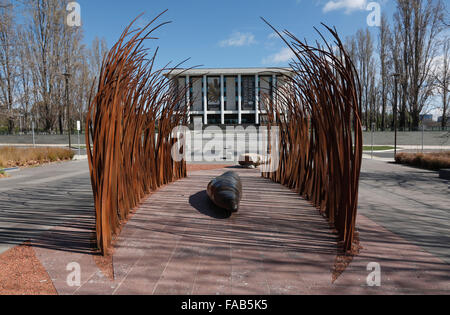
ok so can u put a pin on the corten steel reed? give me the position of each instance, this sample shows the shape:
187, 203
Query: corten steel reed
129, 124
317, 112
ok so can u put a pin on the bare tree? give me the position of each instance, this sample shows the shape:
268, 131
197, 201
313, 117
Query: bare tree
385, 66
442, 76
35, 60
97, 52
25, 80
403, 27
373, 96
365, 66
7, 61
396, 52
420, 22
82, 87
55, 50
41, 34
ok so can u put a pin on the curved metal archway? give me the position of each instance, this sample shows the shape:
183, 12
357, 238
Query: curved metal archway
135, 108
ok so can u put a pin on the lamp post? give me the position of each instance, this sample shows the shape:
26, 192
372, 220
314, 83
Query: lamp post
67, 75
32, 131
395, 110
20, 124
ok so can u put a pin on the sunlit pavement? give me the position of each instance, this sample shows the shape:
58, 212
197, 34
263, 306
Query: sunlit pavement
277, 244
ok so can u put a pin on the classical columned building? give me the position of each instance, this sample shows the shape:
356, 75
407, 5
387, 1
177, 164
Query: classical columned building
231, 96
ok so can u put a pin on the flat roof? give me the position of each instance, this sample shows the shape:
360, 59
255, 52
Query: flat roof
227, 71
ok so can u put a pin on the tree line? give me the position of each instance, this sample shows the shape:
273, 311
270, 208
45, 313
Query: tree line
46, 72
404, 65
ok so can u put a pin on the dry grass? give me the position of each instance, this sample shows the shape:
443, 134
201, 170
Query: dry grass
431, 161
21, 157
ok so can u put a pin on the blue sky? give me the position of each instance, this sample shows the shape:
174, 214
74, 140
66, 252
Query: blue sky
227, 33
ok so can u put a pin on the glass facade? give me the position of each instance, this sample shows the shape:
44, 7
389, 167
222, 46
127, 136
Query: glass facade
180, 87
266, 87
231, 119
207, 92
214, 119
231, 93
214, 94
196, 93
248, 119
248, 92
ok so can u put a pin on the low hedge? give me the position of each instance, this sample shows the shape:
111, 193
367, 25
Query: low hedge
17, 157
430, 161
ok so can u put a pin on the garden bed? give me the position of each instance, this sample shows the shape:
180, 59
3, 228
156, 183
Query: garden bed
431, 161
24, 157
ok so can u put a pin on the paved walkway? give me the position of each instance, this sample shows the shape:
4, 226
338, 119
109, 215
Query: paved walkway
35, 200
178, 243
410, 202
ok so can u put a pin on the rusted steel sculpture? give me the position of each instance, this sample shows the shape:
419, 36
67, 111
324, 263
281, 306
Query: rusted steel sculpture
320, 131
129, 124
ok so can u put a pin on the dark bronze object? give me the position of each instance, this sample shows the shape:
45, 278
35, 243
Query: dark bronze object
226, 191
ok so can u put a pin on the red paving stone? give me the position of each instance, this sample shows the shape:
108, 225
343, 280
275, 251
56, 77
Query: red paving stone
178, 243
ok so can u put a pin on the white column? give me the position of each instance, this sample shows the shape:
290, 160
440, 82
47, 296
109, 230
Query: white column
257, 99
188, 99
240, 99
222, 100
205, 100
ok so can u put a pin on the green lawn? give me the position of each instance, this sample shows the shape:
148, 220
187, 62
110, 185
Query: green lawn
377, 148
82, 146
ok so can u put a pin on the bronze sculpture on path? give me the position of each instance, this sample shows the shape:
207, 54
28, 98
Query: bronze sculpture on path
135, 108
226, 191
317, 113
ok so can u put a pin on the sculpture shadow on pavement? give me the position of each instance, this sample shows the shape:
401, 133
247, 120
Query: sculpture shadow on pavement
201, 202
50, 217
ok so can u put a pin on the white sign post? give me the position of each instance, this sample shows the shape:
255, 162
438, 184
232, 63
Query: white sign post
32, 128
78, 129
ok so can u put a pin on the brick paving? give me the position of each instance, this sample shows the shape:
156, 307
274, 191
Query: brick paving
178, 243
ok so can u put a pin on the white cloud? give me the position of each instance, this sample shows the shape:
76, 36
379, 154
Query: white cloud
347, 5
273, 35
238, 39
283, 56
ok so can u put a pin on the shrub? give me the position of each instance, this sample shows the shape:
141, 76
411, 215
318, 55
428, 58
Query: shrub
431, 161
12, 157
